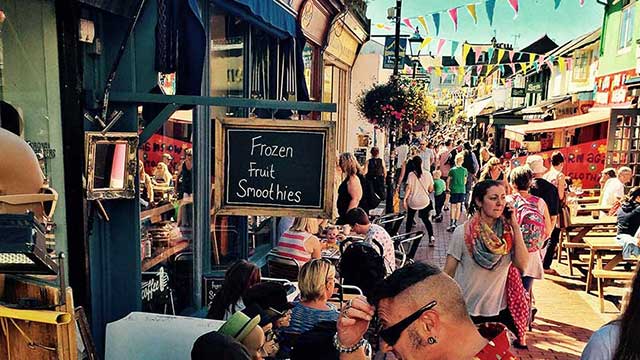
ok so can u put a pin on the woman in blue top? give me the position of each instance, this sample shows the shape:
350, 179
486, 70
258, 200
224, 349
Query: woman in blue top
316, 282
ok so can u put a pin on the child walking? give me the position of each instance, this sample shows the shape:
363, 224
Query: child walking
439, 187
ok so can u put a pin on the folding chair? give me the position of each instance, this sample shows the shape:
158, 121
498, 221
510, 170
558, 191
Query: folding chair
406, 246
391, 222
282, 267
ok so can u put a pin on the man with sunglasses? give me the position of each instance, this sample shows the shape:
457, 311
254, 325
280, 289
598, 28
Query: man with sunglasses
421, 315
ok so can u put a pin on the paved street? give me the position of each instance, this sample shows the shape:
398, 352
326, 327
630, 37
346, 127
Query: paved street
566, 317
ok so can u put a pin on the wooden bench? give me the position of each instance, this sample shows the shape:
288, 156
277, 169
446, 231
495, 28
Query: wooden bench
601, 275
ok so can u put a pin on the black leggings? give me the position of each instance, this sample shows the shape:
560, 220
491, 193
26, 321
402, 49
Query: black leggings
424, 216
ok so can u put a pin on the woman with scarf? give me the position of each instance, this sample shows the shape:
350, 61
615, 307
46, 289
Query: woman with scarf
486, 256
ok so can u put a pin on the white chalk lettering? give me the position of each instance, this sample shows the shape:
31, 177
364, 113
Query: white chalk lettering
261, 149
274, 192
268, 172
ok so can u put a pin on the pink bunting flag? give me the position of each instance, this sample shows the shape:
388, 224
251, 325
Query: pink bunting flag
407, 22
513, 68
477, 51
511, 54
540, 60
514, 6
569, 64
479, 68
440, 45
581, 3
453, 13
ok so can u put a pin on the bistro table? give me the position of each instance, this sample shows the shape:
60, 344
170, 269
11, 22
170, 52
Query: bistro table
588, 223
599, 246
588, 199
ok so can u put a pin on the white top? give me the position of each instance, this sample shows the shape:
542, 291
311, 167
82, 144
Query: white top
419, 190
552, 176
402, 151
484, 291
381, 235
613, 189
603, 343
534, 267
426, 157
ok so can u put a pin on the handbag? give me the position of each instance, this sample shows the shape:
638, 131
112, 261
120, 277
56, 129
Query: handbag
396, 202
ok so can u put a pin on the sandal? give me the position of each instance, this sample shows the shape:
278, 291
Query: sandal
551, 272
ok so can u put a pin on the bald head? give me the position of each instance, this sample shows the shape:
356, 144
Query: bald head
420, 283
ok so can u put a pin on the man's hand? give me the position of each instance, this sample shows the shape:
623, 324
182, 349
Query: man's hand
354, 321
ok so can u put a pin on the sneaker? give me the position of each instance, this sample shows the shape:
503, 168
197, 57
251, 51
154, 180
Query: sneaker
451, 228
432, 241
438, 219
446, 208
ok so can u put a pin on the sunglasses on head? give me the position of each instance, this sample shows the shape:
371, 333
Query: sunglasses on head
391, 334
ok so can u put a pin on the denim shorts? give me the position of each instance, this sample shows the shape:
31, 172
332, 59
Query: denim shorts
456, 198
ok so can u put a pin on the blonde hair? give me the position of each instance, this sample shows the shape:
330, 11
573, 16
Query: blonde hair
437, 174
484, 175
309, 225
313, 279
459, 159
349, 164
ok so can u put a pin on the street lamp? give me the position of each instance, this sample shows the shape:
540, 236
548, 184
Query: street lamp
415, 46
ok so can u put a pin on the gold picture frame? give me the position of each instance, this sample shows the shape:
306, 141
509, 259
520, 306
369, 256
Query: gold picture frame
98, 148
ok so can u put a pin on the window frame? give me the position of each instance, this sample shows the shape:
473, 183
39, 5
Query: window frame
580, 72
625, 34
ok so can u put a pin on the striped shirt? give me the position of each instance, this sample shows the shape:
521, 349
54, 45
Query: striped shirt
291, 245
304, 318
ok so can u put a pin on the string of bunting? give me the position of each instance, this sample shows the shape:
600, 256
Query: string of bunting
452, 13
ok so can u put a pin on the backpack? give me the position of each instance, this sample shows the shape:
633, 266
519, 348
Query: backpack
361, 264
531, 221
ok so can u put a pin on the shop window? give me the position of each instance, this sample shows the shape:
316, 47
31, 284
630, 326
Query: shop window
166, 216
582, 62
626, 26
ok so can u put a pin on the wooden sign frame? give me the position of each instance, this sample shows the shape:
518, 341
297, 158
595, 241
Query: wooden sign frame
328, 127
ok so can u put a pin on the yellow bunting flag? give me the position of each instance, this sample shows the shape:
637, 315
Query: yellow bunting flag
562, 65
438, 70
380, 26
424, 24
471, 8
489, 67
425, 42
500, 54
532, 58
524, 67
502, 80
465, 51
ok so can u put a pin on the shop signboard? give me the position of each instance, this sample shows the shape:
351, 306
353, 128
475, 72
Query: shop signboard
389, 52
518, 92
611, 90
534, 88
583, 162
157, 145
156, 293
274, 167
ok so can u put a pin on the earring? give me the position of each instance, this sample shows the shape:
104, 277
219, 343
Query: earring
431, 340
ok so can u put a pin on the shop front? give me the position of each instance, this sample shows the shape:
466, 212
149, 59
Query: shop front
346, 35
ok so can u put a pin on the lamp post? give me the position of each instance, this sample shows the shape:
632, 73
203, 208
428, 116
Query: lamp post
391, 173
415, 46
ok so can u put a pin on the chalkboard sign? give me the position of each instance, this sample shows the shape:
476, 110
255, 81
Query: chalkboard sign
210, 286
156, 293
274, 167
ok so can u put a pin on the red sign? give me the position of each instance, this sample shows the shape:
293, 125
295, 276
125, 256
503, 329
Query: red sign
152, 150
611, 90
583, 162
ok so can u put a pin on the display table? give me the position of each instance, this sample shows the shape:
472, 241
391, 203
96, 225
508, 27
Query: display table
154, 336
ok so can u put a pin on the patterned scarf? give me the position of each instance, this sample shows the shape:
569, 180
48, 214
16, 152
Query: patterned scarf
488, 245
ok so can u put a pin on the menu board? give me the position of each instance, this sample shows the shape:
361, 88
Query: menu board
274, 167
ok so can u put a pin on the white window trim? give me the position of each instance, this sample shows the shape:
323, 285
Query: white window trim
627, 47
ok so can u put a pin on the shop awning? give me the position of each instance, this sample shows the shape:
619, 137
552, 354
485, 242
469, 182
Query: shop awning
540, 111
518, 132
476, 108
269, 15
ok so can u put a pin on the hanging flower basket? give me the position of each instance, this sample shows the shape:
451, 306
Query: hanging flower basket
407, 103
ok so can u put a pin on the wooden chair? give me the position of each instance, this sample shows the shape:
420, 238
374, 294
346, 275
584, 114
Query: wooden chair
406, 247
282, 267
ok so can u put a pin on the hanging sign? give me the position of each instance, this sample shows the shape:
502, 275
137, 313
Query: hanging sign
518, 92
274, 167
534, 88
389, 52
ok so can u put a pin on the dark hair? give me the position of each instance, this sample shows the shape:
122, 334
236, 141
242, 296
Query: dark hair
356, 216
521, 177
557, 158
417, 164
219, 346
633, 193
402, 279
459, 142
239, 277
611, 172
375, 151
448, 142
467, 145
628, 344
479, 191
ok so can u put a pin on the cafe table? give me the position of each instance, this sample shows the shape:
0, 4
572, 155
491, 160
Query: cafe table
588, 199
587, 209
587, 223
599, 246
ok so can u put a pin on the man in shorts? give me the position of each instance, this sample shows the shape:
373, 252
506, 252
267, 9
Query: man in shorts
456, 185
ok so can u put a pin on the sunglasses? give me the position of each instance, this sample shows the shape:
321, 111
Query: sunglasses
391, 334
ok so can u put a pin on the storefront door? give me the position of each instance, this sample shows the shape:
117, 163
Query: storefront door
623, 146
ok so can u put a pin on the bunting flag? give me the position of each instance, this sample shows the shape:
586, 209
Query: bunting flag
471, 8
444, 77
461, 71
532, 59
477, 51
501, 69
436, 22
581, 3
502, 80
490, 52
524, 67
453, 14
511, 54
478, 69
561, 64
383, 27
535, 66
513, 68
489, 68
490, 6
454, 47
441, 43
557, 4
540, 61
465, 51
407, 22
425, 42
569, 64
423, 22
438, 70
514, 6
500, 54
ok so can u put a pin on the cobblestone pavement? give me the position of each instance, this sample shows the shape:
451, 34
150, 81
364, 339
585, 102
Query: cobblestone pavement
567, 315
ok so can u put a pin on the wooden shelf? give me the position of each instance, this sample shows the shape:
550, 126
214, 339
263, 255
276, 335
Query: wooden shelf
155, 214
163, 256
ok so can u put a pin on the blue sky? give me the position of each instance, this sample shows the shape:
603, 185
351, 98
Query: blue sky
535, 18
